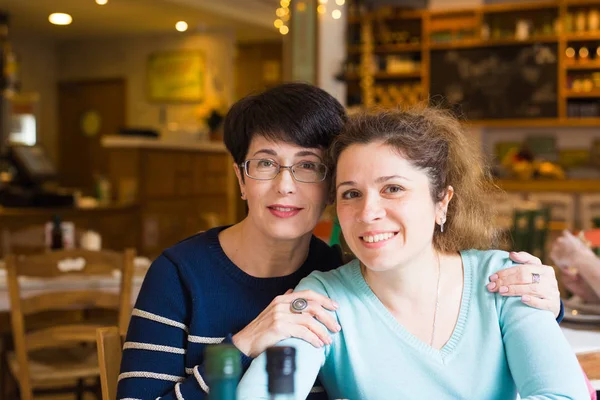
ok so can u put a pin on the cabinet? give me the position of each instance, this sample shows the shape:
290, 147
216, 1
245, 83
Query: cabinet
181, 189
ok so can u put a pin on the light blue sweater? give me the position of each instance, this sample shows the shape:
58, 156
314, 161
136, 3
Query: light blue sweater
499, 346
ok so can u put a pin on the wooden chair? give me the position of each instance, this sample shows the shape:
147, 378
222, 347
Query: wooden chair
63, 353
109, 342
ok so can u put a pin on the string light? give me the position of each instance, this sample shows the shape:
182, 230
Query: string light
181, 26
283, 16
340, 2
336, 14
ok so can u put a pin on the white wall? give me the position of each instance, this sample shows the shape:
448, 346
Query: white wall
127, 58
38, 73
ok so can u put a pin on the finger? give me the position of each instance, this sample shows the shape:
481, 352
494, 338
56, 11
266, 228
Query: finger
289, 291
522, 275
302, 332
309, 295
324, 317
536, 302
536, 290
523, 257
308, 321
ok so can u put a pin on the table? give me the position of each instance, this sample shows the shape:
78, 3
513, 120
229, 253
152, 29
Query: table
585, 341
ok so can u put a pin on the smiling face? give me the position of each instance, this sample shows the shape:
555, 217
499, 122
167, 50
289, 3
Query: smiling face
283, 208
384, 206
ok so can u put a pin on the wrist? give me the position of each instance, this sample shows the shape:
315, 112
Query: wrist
240, 342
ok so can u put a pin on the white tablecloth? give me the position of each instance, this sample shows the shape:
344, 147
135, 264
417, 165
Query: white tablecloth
32, 287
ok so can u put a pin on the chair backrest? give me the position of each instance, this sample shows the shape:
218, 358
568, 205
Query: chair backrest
562, 208
589, 206
60, 269
110, 348
28, 240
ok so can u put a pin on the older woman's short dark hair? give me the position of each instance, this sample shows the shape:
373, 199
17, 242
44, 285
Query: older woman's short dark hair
295, 113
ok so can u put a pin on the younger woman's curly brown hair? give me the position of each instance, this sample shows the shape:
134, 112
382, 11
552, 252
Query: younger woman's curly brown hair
434, 141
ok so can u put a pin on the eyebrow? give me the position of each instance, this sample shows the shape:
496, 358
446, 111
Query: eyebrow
302, 153
381, 179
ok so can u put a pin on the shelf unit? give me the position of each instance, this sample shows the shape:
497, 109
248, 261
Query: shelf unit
433, 25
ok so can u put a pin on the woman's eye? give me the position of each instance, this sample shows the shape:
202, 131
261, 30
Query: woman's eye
265, 163
350, 194
308, 165
393, 189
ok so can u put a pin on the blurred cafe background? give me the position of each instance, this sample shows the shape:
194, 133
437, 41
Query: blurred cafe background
111, 140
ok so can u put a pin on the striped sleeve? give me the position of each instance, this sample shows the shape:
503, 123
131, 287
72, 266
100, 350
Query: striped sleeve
153, 363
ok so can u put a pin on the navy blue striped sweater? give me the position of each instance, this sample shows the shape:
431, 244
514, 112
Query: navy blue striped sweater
194, 295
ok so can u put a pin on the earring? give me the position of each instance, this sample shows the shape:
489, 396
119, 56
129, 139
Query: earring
443, 221
243, 196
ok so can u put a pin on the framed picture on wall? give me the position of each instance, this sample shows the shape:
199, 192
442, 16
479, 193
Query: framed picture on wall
176, 77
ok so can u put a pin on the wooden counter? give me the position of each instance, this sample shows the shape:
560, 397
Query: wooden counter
567, 185
181, 187
117, 224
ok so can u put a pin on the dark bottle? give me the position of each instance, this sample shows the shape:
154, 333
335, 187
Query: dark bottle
56, 242
281, 365
223, 371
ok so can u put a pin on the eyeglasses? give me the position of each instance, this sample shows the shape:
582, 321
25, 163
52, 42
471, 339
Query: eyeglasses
263, 169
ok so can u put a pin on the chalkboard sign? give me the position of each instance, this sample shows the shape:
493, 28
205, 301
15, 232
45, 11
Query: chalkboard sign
498, 82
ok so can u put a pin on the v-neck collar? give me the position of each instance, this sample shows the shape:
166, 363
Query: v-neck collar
442, 354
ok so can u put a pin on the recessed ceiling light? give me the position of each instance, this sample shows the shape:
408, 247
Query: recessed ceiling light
60, 19
181, 26
101, 2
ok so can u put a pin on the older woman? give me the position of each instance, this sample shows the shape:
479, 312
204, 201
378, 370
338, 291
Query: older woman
417, 321
233, 283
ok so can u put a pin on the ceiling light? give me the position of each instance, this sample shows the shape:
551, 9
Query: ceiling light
336, 14
340, 2
60, 19
181, 26
284, 30
101, 2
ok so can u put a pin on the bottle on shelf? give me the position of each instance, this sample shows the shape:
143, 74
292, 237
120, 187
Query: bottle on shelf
56, 234
223, 371
281, 365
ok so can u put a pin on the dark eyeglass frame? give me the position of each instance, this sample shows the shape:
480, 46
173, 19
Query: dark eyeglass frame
244, 166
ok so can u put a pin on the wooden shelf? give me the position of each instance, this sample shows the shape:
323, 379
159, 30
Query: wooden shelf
570, 94
398, 48
583, 67
582, 37
403, 75
582, 2
355, 49
566, 185
512, 7
535, 122
472, 43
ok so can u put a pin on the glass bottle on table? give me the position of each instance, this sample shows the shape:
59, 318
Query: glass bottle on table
223, 371
281, 365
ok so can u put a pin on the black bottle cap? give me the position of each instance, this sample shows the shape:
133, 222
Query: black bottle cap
281, 365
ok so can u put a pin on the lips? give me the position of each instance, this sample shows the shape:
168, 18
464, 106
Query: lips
284, 210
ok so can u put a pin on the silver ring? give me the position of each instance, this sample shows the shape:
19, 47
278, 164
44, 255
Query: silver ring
299, 305
535, 278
